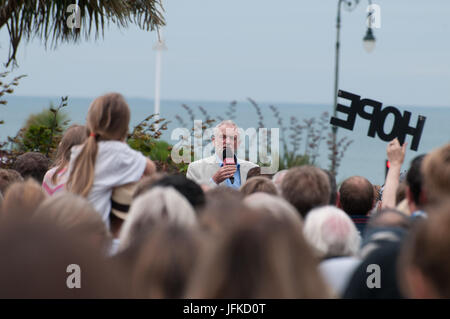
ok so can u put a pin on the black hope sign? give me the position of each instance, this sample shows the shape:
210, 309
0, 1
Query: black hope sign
401, 126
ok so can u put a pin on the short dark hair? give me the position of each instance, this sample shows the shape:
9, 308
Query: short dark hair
7, 177
187, 187
414, 178
259, 184
306, 187
32, 164
356, 195
253, 172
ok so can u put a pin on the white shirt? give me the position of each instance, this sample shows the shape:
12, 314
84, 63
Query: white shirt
57, 188
337, 272
116, 164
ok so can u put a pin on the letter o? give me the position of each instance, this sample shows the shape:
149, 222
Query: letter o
395, 127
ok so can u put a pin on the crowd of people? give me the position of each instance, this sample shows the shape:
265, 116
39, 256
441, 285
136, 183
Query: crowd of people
221, 231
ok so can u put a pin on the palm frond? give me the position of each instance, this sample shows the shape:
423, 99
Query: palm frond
47, 20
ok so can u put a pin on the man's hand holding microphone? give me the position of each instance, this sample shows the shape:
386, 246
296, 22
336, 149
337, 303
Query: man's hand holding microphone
228, 169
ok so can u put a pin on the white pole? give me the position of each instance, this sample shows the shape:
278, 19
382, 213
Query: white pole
158, 82
159, 47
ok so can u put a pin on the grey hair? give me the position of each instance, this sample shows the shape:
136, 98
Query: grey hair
156, 205
277, 206
224, 122
331, 232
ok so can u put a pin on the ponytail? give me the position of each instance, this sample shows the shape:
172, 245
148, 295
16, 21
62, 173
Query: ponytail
82, 174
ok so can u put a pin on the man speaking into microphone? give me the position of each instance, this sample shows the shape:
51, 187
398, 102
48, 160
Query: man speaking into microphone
222, 168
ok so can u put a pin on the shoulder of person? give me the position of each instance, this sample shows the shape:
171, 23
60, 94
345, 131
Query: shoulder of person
48, 175
113, 145
247, 163
206, 160
117, 147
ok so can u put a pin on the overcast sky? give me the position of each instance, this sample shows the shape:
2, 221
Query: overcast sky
273, 51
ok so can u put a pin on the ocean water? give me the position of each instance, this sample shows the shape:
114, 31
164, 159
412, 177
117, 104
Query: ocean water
366, 156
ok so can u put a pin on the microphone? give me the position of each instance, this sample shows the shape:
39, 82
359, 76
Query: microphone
228, 159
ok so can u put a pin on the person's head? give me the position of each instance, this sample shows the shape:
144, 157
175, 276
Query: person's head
41, 260
74, 135
146, 183
414, 181
22, 198
436, 174
185, 186
356, 196
259, 184
108, 118
275, 205
221, 209
331, 232
32, 164
222, 195
160, 204
425, 260
75, 214
385, 226
261, 257
165, 262
8, 177
376, 276
389, 217
254, 172
333, 188
277, 179
226, 135
306, 187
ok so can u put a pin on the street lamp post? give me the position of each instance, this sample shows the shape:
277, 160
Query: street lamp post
369, 44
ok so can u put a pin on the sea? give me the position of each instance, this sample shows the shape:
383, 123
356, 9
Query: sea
365, 156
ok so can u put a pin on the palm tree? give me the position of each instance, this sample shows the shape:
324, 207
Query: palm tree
47, 19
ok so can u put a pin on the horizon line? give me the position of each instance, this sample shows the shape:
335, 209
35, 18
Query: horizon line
210, 100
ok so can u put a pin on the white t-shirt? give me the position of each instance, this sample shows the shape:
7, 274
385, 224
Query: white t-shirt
116, 164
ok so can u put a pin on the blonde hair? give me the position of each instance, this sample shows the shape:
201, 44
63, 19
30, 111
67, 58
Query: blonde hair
108, 118
22, 198
73, 212
166, 262
277, 206
261, 257
75, 135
